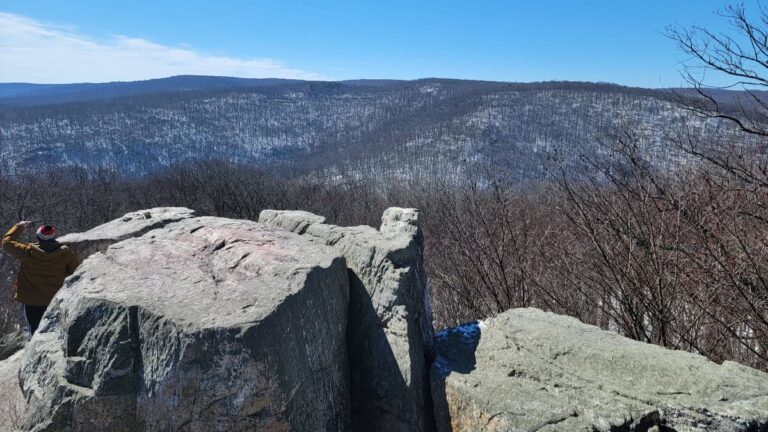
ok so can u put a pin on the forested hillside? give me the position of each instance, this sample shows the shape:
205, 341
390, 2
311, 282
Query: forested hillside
381, 129
620, 206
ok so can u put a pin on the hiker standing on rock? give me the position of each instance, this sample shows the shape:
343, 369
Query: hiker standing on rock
44, 266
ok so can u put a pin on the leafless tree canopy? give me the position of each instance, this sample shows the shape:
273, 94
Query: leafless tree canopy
728, 61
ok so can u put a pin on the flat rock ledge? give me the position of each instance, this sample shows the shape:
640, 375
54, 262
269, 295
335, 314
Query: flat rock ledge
130, 225
202, 324
527, 370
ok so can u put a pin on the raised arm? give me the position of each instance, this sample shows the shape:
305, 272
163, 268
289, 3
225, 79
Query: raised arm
11, 243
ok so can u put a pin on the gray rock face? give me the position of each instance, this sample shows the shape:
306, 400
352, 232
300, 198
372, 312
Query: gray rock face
130, 225
12, 342
527, 370
390, 326
296, 221
205, 324
12, 402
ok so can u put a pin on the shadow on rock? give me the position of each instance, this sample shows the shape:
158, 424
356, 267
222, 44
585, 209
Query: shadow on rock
378, 390
454, 353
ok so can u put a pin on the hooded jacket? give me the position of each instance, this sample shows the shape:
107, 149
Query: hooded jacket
44, 266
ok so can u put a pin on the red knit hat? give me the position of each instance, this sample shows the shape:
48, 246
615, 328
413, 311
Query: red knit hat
46, 232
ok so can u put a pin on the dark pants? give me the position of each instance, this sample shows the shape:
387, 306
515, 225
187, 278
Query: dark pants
34, 314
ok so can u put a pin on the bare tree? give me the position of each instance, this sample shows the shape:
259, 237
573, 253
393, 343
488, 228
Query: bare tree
732, 215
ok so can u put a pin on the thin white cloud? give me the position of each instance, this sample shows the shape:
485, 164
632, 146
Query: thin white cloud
34, 52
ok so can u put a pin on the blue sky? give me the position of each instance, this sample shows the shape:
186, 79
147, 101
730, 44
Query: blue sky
97, 40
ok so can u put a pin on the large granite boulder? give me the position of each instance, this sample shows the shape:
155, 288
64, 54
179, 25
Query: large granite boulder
527, 370
130, 225
203, 324
390, 323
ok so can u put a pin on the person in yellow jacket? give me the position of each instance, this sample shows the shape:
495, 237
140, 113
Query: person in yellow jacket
44, 266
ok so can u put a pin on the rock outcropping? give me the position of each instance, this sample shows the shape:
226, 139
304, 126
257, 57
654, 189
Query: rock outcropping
527, 370
390, 332
204, 324
187, 323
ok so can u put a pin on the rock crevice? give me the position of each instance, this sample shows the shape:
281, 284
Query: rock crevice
390, 333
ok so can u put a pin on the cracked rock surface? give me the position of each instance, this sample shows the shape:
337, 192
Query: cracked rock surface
527, 370
390, 323
202, 324
130, 225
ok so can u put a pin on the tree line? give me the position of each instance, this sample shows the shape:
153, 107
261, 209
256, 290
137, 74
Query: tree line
672, 258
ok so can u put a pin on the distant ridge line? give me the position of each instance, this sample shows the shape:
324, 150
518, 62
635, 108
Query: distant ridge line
28, 94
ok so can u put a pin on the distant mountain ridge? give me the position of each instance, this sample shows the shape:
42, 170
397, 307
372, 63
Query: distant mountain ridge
18, 94
380, 128
27, 94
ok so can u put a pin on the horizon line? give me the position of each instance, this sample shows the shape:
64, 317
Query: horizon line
296, 80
